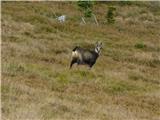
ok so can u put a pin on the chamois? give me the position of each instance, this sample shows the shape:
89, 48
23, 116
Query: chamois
83, 56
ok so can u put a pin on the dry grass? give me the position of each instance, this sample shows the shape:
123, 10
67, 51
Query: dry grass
36, 81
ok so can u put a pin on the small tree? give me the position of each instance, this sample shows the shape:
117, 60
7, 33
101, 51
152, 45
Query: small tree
86, 6
110, 15
88, 13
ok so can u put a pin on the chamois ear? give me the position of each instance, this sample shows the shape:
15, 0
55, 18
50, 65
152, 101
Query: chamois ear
100, 43
97, 43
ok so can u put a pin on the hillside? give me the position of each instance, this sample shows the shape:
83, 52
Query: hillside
37, 83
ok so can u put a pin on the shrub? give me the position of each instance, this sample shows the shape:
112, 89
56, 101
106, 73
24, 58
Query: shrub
86, 6
88, 13
140, 45
110, 15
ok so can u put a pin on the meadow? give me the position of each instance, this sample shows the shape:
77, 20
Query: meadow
37, 83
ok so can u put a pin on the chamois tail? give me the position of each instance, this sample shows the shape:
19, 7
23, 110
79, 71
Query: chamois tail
74, 56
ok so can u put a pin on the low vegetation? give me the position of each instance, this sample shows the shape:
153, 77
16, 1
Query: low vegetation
36, 82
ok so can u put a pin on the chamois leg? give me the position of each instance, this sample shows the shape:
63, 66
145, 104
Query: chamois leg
72, 62
90, 66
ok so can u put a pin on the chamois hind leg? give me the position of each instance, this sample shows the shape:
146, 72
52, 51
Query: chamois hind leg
72, 62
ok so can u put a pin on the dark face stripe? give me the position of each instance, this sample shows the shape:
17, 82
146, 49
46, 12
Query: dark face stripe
97, 49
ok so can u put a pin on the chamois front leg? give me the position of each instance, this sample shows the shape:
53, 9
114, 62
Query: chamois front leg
72, 62
90, 66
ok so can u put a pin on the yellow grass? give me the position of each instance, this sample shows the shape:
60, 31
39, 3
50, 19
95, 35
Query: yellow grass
124, 84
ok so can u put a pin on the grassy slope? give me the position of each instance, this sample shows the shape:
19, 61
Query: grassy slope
36, 49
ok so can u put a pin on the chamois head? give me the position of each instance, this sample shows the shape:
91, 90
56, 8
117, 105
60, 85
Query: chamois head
98, 47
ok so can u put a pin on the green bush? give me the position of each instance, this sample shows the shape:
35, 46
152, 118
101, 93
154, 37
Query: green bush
140, 45
110, 15
86, 6
88, 13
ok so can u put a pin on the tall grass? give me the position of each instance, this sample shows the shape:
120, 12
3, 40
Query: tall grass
36, 49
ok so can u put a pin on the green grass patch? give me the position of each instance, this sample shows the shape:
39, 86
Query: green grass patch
13, 69
140, 45
121, 86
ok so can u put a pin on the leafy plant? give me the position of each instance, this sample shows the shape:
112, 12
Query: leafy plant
140, 45
110, 15
85, 4
86, 7
88, 13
